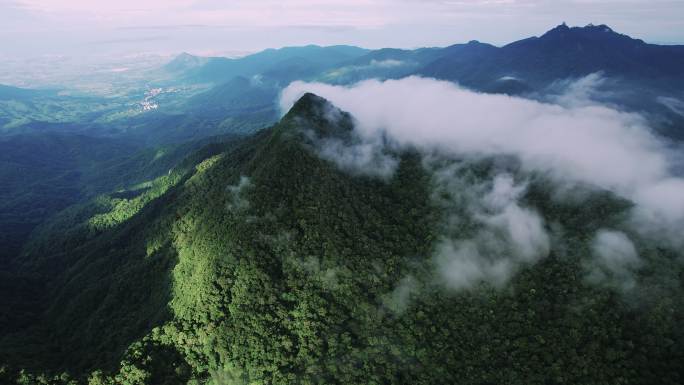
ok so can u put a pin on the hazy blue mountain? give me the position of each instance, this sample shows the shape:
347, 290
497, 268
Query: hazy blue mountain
421, 55
240, 90
309, 58
644, 78
381, 64
529, 64
633, 74
640, 77
561, 53
238, 96
184, 62
643, 74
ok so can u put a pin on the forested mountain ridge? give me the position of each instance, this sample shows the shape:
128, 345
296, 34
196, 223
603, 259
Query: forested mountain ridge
45, 173
261, 261
310, 59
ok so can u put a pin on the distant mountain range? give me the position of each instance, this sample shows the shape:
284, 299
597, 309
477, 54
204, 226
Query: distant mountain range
240, 94
278, 65
185, 62
560, 53
563, 52
641, 75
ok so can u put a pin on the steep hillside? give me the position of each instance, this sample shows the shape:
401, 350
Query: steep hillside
259, 261
237, 97
44, 173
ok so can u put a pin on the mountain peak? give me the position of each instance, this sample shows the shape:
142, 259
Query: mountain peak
184, 61
589, 28
309, 104
560, 28
587, 34
320, 115
597, 28
184, 57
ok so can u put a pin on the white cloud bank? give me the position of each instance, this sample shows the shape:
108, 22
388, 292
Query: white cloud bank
508, 235
593, 145
575, 143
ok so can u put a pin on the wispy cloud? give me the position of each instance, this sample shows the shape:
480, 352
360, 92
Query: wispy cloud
489, 232
592, 145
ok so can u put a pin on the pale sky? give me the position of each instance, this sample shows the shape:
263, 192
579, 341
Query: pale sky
42, 27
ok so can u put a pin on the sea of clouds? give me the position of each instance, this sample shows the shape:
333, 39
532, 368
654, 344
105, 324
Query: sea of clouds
572, 140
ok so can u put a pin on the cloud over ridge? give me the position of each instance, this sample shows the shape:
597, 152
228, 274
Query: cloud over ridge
593, 145
578, 144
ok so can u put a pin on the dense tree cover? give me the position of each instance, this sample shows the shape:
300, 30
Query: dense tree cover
42, 174
273, 65
258, 262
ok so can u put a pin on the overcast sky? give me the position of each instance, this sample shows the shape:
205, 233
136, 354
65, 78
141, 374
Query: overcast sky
39, 27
